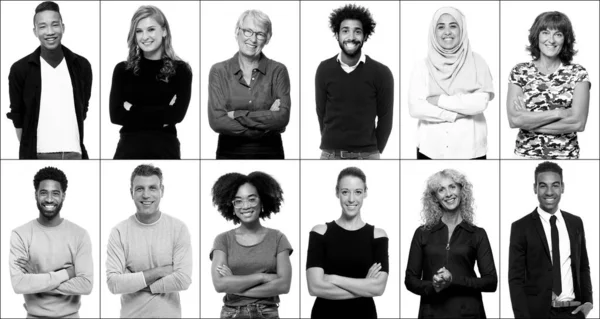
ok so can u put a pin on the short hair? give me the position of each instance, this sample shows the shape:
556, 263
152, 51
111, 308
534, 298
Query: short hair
50, 173
553, 20
226, 187
352, 12
432, 211
146, 170
548, 167
47, 6
351, 171
260, 17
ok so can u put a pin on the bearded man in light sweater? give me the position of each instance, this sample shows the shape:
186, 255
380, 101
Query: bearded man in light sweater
149, 254
50, 257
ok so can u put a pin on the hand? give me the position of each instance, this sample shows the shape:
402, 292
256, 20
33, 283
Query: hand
275, 106
230, 114
433, 99
442, 279
173, 100
19, 133
564, 113
224, 271
70, 271
519, 104
127, 105
374, 271
585, 308
166, 270
269, 277
26, 265
445, 274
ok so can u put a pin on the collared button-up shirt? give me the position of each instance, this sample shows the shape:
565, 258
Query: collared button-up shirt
251, 102
350, 68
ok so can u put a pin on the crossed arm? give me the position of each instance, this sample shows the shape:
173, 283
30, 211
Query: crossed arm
259, 285
555, 121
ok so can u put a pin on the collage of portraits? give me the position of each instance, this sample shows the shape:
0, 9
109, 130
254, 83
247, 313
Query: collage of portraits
299, 159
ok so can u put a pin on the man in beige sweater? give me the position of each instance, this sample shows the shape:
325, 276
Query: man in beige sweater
50, 257
149, 254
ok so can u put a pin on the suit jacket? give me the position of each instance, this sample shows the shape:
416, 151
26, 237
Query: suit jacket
530, 265
25, 91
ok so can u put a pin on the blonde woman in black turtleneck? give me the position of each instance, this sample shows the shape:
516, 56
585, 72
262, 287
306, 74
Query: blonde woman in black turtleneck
150, 91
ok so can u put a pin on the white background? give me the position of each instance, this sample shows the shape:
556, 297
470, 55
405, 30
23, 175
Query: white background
380, 209
82, 28
180, 200
517, 18
482, 28
319, 44
218, 21
580, 198
484, 177
185, 32
81, 206
286, 221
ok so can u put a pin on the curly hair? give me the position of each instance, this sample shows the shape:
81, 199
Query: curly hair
552, 20
352, 12
226, 187
50, 173
169, 57
146, 170
548, 167
351, 171
432, 211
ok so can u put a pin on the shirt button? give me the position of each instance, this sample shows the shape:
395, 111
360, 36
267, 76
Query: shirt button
252, 79
249, 101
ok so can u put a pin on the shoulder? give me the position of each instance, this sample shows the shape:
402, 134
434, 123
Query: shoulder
123, 225
182, 66
220, 66
522, 67
275, 65
25, 228
222, 237
121, 67
479, 60
173, 222
379, 233
572, 218
320, 229
22, 65
73, 228
376, 64
523, 221
331, 62
576, 67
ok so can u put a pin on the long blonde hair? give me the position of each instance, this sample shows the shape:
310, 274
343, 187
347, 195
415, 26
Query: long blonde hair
168, 54
432, 212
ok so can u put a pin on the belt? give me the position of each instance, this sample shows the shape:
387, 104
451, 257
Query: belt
347, 154
561, 304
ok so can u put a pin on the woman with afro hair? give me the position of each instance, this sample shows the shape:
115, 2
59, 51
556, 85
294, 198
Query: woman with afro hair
250, 263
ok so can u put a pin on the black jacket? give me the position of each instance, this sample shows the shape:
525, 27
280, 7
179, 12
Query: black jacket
25, 90
530, 265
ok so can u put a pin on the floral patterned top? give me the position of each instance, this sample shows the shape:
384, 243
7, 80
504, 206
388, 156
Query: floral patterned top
542, 93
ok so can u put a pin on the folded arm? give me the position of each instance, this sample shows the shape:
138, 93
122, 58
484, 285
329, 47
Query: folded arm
519, 117
517, 272
465, 103
319, 287
118, 278
181, 276
364, 287
232, 284
83, 281
576, 116
418, 106
278, 286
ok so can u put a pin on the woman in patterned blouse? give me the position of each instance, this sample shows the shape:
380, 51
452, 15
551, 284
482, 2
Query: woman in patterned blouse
548, 98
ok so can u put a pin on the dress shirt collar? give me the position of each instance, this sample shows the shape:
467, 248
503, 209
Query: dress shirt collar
463, 224
363, 59
546, 216
234, 64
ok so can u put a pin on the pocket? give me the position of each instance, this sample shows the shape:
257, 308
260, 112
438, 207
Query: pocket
229, 312
268, 312
326, 155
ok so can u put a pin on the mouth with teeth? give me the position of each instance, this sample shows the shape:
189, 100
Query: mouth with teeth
147, 203
351, 45
247, 214
49, 206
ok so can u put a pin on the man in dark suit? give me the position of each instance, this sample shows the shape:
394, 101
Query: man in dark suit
549, 272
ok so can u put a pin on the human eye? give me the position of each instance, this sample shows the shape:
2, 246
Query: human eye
237, 202
344, 192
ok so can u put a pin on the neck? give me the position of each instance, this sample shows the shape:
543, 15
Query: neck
350, 222
155, 55
549, 63
252, 227
351, 60
53, 57
148, 218
451, 218
50, 222
248, 62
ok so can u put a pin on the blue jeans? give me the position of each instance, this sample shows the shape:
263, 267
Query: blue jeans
337, 155
251, 311
59, 156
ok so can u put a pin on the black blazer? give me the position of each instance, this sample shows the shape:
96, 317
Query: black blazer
25, 90
530, 265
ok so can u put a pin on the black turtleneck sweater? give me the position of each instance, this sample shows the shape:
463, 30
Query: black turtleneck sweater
150, 97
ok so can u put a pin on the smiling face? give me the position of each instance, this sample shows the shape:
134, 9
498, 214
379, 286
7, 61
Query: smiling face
551, 42
549, 189
146, 192
49, 29
448, 195
49, 197
149, 37
249, 204
351, 192
351, 37
447, 32
251, 46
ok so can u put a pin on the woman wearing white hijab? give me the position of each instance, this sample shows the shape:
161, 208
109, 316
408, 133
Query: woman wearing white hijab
449, 90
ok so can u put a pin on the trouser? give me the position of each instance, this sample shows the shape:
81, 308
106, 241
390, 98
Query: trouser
59, 156
251, 311
565, 313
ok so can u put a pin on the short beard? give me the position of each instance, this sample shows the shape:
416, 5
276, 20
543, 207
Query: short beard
356, 53
49, 215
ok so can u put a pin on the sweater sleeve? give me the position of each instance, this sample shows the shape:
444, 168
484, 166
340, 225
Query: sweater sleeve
83, 281
119, 279
24, 283
175, 113
181, 278
267, 119
418, 105
385, 107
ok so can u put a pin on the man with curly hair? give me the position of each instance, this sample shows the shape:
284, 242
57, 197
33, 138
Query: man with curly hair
549, 270
49, 93
149, 254
50, 257
354, 93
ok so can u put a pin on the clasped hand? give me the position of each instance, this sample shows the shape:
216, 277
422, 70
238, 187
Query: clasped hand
442, 279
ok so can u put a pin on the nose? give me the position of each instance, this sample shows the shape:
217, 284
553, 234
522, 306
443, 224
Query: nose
351, 197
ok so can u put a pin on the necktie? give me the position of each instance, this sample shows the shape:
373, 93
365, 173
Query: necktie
556, 280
